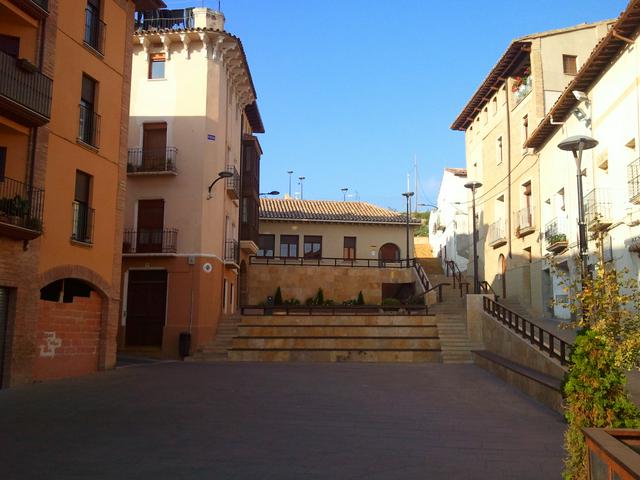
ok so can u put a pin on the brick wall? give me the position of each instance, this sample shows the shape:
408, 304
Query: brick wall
67, 338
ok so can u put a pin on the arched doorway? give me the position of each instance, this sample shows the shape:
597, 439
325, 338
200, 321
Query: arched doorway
244, 289
389, 252
502, 268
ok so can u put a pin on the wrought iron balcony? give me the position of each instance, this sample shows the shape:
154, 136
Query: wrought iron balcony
145, 241
633, 181
232, 252
21, 209
176, 19
525, 222
597, 209
35, 8
89, 127
497, 236
94, 30
152, 160
83, 219
24, 92
233, 182
555, 235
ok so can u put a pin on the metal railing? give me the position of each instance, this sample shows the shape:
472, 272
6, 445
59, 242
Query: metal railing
176, 19
83, 219
21, 205
597, 206
487, 289
456, 274
94, 30
150, 241
422, 276
633, 180
555, 232
152, 160
233, 183
23, 84
525, 218
232, 251
523, 90
546, 341
43, 4
332, 262
496, 232
89, 126
335, 310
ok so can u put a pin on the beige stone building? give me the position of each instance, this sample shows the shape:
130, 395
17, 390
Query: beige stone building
342, 247
516, 94
187, 226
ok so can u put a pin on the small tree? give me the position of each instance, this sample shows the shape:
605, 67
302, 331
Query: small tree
277, 298
319, 299
360, 300
608, 319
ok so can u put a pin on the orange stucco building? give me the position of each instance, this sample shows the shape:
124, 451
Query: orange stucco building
64, 98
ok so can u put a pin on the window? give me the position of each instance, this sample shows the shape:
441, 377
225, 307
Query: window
485, 115
312, 246
82, 212
3, 162
289, 246
231, 297
494, 105
266, 245
10, 45
156, 66
349, 250
499, 151
154, 148
570, 64
224, 295
89, 120
525, 129
93, 26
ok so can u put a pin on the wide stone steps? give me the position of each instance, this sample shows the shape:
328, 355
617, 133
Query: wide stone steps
334, 355
339, 343
338, 320
337, 331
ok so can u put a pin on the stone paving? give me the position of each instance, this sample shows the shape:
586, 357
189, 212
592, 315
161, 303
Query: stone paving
278, 421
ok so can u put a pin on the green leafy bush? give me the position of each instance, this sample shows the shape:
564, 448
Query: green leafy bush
391, 301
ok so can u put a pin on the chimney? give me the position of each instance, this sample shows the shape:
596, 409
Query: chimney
207, 18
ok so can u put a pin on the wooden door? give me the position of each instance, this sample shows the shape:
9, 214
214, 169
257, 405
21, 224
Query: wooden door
154, 147
150, 226
146, 307
389, 252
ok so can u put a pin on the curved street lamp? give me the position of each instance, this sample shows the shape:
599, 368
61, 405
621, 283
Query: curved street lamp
221, 175
272, 192
408, 196
473, 186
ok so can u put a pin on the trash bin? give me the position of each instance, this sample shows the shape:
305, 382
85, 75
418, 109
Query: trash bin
184, 344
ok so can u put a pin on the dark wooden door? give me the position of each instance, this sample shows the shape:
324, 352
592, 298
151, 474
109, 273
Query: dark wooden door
389, 252
150, 226
146, 307
154, 147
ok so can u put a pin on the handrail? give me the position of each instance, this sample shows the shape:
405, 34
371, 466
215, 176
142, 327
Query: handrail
334, 310
530, 331
486, 288
439, 287
331, 262
452, 266
422, 276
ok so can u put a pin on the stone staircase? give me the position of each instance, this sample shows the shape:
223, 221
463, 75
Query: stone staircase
329, 338
217, 350
450, 316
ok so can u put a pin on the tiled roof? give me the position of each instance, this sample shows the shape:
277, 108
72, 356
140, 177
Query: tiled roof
458, 172
328, 211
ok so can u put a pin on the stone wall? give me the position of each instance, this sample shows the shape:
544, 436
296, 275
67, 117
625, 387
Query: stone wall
338, 283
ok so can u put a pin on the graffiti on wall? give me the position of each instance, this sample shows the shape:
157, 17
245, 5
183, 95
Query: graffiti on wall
51, 344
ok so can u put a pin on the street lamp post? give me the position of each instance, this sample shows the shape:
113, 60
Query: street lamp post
344, 193
221, 175
408, 196
473, 186
301, 187
272, 192
576, 145
290, 172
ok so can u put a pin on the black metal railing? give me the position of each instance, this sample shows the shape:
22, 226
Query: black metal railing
152, 160
555, 232
89, 126
335, 310
454, 271
83, 219
633, 181
24, 85
21, 205
147, 240
233, 182
232, 251
173, 19
487, 289
94, 30
332, 262
422, 276
43, 4
597, 206
496, 233
546, 341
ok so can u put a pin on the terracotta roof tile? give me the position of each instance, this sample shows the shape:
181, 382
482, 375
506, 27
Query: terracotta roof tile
328, 211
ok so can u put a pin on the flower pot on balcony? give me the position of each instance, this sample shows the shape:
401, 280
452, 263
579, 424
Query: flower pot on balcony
557, 243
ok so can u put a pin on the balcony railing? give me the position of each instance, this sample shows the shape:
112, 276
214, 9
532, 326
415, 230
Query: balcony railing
332, 262
89, 127
525, 223
83, 218
597, 209
232, 251
555, 234
152, 160
233, 182
633, 181
522, 90
21, 205
150, 241
26, 91
35, 8
94, 30
43, 4
496, 235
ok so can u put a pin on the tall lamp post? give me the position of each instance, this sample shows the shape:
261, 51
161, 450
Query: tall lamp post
301, 187
344, 193
576, 145
473, 186
408, 196
290, 172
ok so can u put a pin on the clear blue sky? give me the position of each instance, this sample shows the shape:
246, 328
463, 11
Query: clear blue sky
351, 90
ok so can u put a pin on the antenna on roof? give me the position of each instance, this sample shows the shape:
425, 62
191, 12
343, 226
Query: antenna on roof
219, 6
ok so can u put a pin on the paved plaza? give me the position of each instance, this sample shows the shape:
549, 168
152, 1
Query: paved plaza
278, 421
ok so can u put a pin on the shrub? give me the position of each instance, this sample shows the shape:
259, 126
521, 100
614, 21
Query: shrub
309, 301
292, 301
360, 299
277, 298
391, 301
319, 298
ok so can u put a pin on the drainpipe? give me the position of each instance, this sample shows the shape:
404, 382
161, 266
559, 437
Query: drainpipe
509, 212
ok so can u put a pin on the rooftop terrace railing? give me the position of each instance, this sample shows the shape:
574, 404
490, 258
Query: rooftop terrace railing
333, 262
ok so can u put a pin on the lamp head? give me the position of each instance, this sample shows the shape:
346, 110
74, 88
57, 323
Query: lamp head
572, 144
472, 185
225, 174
